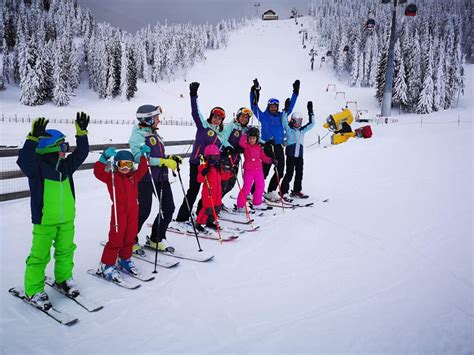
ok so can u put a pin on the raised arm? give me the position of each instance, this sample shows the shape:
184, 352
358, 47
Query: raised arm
76, 158
28, 160
310, 125
197, 117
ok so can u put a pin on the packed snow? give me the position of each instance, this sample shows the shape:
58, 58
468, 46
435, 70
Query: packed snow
384, 267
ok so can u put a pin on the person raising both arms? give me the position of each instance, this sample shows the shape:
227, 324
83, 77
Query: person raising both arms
272, 133
209, 131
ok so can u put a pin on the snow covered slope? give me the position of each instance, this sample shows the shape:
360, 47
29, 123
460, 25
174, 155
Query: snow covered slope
384, 267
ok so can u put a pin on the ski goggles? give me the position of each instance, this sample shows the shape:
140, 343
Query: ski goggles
273, 101
218, 112
297, 121
59, 147
125, 164
245, 111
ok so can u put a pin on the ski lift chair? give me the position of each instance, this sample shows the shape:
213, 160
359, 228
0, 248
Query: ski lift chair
370, 25
410, 10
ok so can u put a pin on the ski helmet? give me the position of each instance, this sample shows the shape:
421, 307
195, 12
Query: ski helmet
245, 111
145, 114
211, 150
273, 101
123, 155
296, 119
218, 111
253, 132
50, 144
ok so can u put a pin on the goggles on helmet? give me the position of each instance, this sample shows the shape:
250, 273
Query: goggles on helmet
244, 111
147, 117
125, 164
273, 101
61, 146
218, 112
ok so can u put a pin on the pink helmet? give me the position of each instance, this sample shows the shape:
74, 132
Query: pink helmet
211, 149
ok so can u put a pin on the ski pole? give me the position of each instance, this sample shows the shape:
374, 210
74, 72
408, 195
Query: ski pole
213, 209
159, 208
241, 192
278, 179
114, 198
187, 204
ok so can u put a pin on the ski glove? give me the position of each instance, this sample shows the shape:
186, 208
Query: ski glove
107, 154
287, 105
296, 87
205, 171
81, 123
176, 158
38, 129
193, 88
145, 150
255, 90
310, 108
169, 163
229, 150
274, 162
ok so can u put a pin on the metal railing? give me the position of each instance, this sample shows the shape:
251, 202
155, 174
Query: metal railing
14, 174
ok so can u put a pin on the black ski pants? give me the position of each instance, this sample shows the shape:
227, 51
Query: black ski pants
279, 155
293, 165
191, 195
145, 198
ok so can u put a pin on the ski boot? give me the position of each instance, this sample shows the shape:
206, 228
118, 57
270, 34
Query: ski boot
40, 300
128, 266
287, 198
272, 196
138, 250
262, 207
161, 246
110, 273
298, 194
69, 287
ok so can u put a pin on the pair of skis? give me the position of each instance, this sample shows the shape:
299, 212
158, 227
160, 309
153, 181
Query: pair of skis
56, 314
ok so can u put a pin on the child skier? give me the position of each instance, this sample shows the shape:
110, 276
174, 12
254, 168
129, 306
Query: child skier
231, 154
294, 151
122, 182
43, 160
208, 131
253, 170
211, 176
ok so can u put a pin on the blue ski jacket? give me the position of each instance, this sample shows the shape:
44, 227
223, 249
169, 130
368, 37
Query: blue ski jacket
295, 136
271, 124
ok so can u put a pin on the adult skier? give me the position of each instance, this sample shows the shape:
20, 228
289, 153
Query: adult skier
146, 132
272, 133
209, 131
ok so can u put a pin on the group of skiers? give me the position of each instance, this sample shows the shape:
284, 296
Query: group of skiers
214, 162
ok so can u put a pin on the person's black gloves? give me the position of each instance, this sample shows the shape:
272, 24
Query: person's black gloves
38, 129
271, 141
296, 87
235, 169
255, 89
81, 123
310, 108
205, 171
229, 150
193, 88
287, 105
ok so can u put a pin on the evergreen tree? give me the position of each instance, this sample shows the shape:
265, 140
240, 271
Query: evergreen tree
439, 78
60, 96
29, 80
131, 74
425, 101
381, 70
400, 88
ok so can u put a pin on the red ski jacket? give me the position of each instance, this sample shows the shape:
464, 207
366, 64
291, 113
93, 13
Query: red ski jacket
214, 177
126, 186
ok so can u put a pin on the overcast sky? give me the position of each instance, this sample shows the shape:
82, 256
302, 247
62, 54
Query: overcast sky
132, 15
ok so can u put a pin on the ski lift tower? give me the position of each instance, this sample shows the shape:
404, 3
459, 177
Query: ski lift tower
387, 92
257, 5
